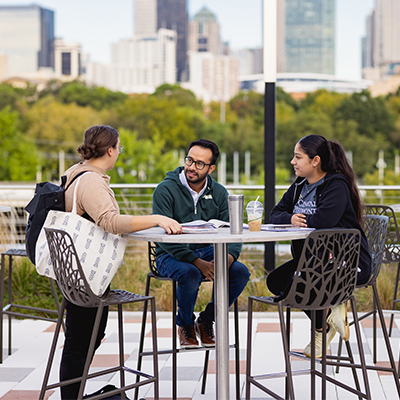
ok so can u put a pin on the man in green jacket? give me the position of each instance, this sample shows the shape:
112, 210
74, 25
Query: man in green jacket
190, 193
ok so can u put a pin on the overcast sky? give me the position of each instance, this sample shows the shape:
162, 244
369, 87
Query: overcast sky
98, 23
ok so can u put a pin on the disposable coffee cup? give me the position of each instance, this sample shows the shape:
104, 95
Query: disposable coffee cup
254, 212
236, 206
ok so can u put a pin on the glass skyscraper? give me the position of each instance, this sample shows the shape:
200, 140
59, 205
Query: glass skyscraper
151, 15
309, 36
26, 38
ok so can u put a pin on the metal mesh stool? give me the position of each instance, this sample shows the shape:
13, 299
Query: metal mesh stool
375, 230
8, 308
75, 288
153, 274
326, 276
391, 253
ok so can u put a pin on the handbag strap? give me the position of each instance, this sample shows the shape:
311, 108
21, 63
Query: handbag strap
75, 191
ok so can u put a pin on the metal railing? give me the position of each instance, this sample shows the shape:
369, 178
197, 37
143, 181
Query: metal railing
136, 199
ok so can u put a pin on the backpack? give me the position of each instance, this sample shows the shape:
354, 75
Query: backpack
48, 196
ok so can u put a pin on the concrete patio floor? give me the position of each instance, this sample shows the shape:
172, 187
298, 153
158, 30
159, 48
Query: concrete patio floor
21, 373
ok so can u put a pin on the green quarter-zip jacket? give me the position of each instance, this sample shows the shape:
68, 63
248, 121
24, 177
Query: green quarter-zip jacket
172, 199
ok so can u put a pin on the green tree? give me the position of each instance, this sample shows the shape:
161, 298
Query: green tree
289, 132
96, 97
143, 160
57, 126
151, 117
19, 156
372, 115
249, 104
323, 102
183, 97
16, 98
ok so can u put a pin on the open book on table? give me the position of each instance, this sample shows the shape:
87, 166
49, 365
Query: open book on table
283, 228
201, 226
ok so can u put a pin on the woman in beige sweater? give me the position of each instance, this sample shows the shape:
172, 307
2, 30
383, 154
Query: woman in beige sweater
96, 201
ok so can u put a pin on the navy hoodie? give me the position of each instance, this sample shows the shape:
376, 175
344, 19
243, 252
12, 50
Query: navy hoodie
334, 210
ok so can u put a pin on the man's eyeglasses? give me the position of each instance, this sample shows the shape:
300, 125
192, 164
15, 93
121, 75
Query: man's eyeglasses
120, 148
199, 164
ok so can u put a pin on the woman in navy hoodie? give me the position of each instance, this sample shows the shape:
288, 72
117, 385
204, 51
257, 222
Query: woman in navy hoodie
323, 196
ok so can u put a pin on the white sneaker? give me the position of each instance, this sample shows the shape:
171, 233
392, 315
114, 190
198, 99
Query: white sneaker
338, 320
318, 343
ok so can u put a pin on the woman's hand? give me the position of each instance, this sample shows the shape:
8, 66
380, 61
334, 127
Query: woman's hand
299, 220
170, 225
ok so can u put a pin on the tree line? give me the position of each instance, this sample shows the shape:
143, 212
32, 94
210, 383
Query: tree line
35, 125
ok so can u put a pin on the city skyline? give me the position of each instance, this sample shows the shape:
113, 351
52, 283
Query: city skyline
98, 24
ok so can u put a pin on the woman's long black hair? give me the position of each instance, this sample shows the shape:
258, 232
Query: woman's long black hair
333, 159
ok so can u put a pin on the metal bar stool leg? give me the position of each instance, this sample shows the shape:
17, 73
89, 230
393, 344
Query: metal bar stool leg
285, 333
249, 345
396, 286
52, 350
155, 348
142, 333
386, 338
90, 352
360, 347
174, 348
237, 348
121, 349
2, 268
10, 260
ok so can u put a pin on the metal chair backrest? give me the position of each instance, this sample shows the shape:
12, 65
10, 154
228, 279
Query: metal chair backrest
326, 273
69, 274
152, 260
392, 243
375, 227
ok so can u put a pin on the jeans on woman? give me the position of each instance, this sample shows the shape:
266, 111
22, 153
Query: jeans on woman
189, 279
79, 324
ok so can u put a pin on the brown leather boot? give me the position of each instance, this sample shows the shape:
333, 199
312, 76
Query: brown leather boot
206, 333
187, 337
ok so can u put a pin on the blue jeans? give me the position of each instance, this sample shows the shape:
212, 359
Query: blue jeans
189, 279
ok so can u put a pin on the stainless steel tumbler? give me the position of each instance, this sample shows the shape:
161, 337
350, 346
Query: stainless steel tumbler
236, 206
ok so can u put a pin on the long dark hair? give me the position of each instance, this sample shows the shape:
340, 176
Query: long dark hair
333, 159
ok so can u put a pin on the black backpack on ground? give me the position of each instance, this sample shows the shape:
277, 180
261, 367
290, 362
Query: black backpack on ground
48, 196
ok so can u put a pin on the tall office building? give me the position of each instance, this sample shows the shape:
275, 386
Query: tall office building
151, 15
213, 77
67, 59
204, 33
308, 28
141, 63
381, 45
26, 38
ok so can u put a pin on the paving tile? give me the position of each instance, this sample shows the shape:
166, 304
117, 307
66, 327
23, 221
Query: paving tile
32, 340
184, 373
24, 395
14, 374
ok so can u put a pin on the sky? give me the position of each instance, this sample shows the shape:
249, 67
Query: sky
98, 23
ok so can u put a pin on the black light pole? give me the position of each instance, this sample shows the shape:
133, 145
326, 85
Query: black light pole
270, 54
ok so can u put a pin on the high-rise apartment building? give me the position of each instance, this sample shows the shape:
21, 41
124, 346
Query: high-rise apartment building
309, 36
213, 77
142, 63
67, 59
151, 15
250, 61
381, 45
26, 38
204, 33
